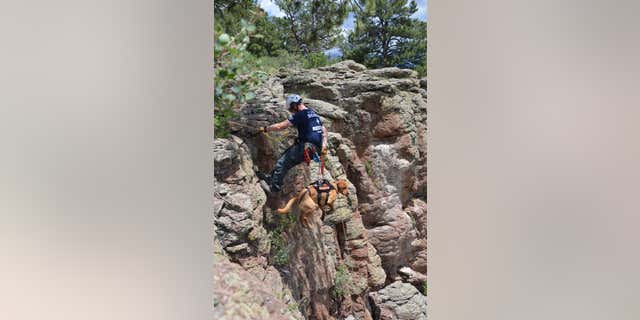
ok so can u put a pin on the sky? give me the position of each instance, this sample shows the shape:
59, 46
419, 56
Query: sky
271, 8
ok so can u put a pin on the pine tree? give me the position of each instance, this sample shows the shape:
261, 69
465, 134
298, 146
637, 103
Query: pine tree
269, 40
315, 24
385, 33
228, 13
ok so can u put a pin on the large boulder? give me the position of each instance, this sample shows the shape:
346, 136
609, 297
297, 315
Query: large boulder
398, 301
393, 72
343, 66
240, 295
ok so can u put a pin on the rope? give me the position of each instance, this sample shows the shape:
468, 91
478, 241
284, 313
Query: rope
307, 159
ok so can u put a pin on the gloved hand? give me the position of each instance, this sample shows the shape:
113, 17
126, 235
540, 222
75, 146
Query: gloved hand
263, 129
324, 151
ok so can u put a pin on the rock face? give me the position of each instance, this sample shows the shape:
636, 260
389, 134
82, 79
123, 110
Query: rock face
238, 204
239, 294
353, 260
399, 301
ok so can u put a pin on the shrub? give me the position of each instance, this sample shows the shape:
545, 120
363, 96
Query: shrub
315, 60
292, 307
279, 250
235, 74
367, 167
341, 282
422, 70
283, 59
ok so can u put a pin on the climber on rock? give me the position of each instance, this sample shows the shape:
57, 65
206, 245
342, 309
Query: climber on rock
310, 131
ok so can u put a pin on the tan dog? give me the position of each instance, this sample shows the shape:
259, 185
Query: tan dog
307, 200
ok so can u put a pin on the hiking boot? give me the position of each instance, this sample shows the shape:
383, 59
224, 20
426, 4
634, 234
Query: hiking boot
265, 186
263, 176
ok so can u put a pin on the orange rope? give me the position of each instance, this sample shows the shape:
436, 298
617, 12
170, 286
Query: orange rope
307, 159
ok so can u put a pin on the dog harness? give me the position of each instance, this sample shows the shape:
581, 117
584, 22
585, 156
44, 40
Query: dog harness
321, 187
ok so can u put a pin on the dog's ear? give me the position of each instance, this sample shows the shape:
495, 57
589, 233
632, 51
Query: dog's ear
342, 187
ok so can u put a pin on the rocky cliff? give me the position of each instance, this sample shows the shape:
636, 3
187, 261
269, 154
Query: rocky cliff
367, 259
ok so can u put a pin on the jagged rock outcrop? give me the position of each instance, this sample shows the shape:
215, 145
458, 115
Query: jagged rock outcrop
381, 117
240, 295
248, 288
375, 237
399, 301
238, 203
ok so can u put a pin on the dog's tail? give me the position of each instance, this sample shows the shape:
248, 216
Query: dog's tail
291, 202
288, 207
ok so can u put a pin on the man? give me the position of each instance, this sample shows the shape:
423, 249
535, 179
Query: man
310, 130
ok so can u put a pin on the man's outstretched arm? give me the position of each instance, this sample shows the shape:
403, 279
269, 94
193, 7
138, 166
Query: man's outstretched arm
277, 127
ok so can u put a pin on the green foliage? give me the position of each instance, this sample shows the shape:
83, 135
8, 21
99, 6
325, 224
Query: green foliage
279, 250
367, 167
289, 61
314, 60
341, 282
269, 40
415, 50
293, 306
229, 13
313, 25
424, 288
269, 31
235, 74
422, 69
282, 59
386, 35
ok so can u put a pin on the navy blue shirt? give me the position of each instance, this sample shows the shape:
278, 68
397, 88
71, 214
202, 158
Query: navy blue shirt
309, 126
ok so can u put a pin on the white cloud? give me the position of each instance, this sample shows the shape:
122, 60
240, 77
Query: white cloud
271, 8
422, 10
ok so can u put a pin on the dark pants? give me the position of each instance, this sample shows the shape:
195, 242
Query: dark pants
290, 158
